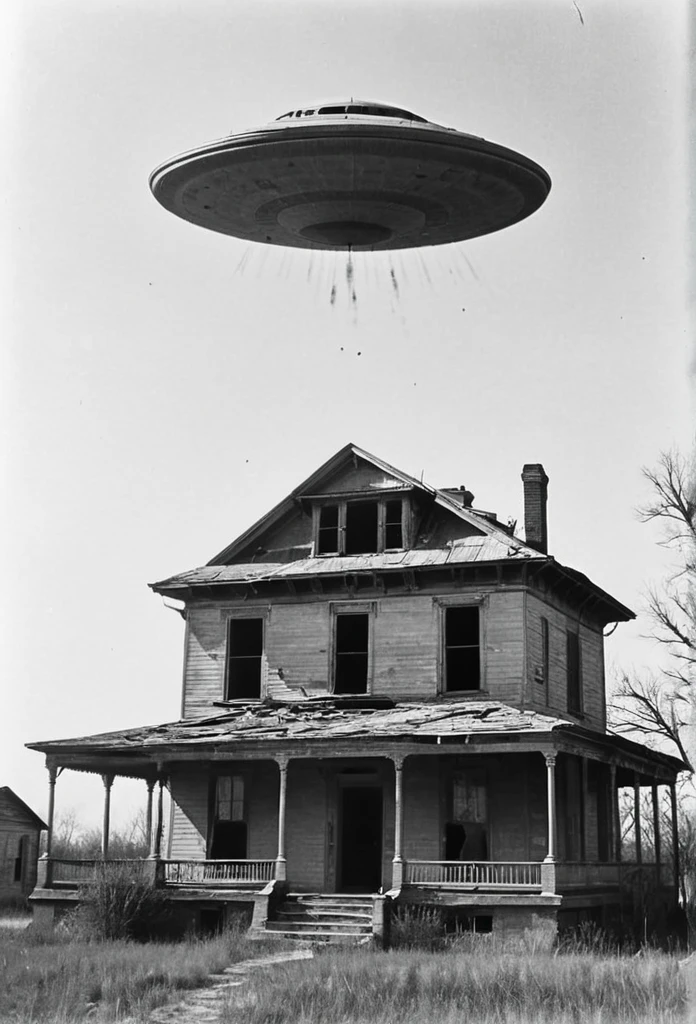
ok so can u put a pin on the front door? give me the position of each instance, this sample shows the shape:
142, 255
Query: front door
360, 849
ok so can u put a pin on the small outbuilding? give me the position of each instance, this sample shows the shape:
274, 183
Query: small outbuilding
20, 833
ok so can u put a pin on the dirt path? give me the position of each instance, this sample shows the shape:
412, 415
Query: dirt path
203, 1005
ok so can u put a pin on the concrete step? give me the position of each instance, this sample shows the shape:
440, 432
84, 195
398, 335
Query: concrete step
309, 927
314, 913
318, 936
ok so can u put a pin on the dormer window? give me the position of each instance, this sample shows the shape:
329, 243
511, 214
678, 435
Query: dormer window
360, 527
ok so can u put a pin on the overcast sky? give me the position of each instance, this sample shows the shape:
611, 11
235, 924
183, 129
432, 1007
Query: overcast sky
163, 386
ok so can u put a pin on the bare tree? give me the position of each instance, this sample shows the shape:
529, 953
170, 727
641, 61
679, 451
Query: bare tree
659, 707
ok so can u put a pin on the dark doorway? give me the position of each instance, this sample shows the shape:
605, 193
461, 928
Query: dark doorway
360, 864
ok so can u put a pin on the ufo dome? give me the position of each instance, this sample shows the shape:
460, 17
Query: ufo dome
353, 175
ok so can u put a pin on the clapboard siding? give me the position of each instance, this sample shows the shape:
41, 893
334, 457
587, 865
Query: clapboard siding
422, 809
507, 799
189, 828
591, 663
297, 644
18, 831
406, 638
504, 645
406, 653
306, 826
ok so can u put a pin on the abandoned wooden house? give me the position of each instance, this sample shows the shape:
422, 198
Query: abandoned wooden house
389, 698
20, 835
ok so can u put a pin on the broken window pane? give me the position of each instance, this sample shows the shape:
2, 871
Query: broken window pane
361, 528
462, 658
393, 534
328, 530
244, 655
351, 660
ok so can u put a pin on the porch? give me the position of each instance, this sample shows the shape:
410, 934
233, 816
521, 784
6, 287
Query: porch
485, 821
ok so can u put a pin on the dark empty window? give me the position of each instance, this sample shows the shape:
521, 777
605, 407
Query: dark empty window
19, 859
393, 533
229, 839
351, 653
244, 654
573, 671
361, 528
543, 674
462, 659
328, 530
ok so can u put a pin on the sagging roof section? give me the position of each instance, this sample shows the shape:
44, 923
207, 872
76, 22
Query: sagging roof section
334, 719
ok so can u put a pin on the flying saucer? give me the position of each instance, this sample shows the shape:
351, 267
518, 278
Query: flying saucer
353, 175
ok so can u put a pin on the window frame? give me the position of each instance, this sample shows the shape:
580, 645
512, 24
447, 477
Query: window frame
231, 772
481, 603
341, 504
338, 608
228, 615
576, 690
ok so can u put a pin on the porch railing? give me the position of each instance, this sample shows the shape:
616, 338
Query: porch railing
71, 873
615, 874
218, 872
491, 874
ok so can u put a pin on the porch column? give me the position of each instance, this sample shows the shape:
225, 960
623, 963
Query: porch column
636, 817
551, 806
398, 860
281, 864
583, 808
675, 836
548, 865
52, 776
159, 826
615, 819
108, 781
656, 829
148, 819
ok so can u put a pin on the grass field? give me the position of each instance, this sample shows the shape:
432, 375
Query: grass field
472, 987
60, 979
56, 979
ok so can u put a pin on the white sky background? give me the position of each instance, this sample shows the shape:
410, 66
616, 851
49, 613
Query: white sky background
157, 398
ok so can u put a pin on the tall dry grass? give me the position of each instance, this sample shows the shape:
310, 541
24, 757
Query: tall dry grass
57, 979
485, 987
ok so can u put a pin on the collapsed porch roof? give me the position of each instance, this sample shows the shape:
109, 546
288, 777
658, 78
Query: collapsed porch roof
262, 729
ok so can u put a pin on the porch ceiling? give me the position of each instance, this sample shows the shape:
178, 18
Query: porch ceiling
340, 726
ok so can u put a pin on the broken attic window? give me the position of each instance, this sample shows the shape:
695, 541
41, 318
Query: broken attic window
351, 653
462, 648
361, 528
244, 654
393, 531
328, 530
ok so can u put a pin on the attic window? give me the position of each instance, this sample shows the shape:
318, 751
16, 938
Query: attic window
360, 527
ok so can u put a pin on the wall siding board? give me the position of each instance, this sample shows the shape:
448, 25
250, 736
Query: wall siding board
15, 826
406, 645
591, 663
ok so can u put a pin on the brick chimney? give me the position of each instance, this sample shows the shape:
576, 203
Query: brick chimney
535, 483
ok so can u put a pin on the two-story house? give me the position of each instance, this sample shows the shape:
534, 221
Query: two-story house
388, 698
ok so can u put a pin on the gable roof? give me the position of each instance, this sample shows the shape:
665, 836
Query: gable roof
313, 483
491, 542
11, 797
